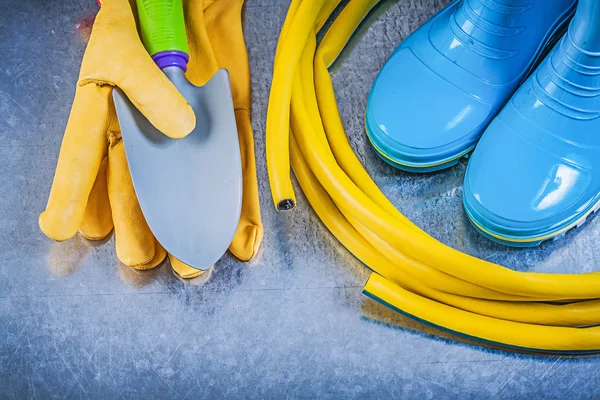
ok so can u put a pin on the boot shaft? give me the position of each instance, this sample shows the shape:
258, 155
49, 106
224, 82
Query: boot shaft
585, 27
501, 25
499, 41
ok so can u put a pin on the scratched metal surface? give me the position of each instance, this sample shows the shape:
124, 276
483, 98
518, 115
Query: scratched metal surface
292, 323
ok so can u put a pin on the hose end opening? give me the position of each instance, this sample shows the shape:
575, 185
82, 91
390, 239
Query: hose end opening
286, 205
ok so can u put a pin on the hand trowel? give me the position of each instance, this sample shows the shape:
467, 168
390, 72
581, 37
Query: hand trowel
190, 189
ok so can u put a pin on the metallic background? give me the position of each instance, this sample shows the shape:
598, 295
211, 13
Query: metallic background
76, 323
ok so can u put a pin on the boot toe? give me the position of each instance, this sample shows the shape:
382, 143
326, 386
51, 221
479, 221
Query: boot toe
417, 119
517, 192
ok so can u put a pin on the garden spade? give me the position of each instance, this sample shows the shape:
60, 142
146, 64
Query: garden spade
189, 189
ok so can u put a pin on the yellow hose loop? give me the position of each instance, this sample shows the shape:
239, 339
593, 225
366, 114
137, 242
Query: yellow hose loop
414, 273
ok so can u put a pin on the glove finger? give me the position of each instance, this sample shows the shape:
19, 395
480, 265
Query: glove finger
97, 221
249, 234
223, 21
81, 153
116, 56
203, 63
134, 242
183, 270
157, 98
159, 256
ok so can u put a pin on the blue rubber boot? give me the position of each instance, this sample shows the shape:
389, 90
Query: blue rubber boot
536, 171
445, 83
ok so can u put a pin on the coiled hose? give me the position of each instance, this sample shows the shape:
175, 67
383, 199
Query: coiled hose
413, 273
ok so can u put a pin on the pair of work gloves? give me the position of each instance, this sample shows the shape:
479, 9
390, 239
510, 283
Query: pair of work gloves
92, 190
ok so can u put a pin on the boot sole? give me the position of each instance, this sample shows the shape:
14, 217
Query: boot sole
535, 241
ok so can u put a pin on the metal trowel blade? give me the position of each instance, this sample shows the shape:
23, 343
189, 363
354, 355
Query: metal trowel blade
190, 189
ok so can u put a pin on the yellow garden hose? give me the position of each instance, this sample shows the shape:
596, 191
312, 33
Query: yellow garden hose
413, 273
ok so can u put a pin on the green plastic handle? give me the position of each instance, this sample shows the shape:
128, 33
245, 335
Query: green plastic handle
162, 26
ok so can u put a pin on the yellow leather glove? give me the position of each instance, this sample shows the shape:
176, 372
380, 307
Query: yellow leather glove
109, 201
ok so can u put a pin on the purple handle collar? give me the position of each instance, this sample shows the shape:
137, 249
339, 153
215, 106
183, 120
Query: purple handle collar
171, 59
